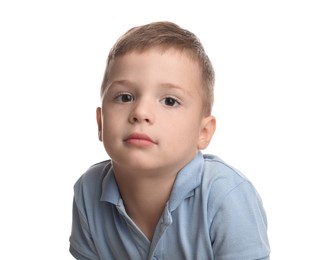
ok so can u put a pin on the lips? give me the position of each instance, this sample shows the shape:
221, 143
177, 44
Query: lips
139, 139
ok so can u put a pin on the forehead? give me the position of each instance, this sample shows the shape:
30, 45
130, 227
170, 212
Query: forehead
167, 63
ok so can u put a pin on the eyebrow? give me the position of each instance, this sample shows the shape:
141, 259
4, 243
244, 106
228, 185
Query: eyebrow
170, 85
117, 83
120, 82
132, 84
174, 86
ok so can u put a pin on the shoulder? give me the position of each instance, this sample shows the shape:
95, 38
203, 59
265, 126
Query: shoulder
217, 170
221, 181
95, 172
91, 180
235, 210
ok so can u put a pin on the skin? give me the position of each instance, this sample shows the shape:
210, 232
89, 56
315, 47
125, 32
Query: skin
156, 94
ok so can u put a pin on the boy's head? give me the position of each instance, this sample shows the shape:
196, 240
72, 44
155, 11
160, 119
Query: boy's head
166, 35
157, 96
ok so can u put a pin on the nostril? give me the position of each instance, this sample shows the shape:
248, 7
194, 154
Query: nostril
140, 116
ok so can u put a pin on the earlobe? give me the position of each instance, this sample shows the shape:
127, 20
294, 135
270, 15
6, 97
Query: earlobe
208, 128
99, 122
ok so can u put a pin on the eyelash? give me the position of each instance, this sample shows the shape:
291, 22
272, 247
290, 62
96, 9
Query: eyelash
120, 99
176, 102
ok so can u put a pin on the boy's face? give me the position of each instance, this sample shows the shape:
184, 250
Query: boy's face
151, 117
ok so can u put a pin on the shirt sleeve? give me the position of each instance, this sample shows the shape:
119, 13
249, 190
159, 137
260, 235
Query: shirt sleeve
239, 227
81, 243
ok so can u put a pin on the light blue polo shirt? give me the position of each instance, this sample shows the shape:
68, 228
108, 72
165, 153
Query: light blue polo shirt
213, 212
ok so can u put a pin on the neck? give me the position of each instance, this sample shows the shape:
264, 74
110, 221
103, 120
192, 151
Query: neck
145, 197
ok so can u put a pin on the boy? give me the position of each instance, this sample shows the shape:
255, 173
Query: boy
159, 197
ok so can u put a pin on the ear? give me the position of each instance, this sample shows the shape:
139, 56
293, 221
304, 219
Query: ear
99, 122
208, 126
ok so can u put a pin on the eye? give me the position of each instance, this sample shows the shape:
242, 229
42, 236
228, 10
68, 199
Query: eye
124, 98
170, 102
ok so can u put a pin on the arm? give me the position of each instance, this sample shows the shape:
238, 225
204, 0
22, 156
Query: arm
81, 243
239, 227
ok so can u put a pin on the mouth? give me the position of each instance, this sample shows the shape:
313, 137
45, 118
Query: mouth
139, 139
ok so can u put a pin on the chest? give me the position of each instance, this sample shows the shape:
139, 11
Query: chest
180, 234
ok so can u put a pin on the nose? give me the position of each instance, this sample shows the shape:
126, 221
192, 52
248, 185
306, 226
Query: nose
142, 112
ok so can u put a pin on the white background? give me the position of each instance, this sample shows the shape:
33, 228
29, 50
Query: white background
52, 57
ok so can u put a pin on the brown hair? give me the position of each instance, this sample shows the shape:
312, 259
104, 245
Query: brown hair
166, 35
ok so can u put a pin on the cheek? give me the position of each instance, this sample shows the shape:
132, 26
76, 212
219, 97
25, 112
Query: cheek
109, 126
181, 130
110, 117
186, 122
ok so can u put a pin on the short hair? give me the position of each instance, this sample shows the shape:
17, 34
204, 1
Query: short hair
166, 35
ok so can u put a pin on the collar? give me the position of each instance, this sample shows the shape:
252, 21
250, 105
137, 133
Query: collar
186, 181
188, 178
110, 191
